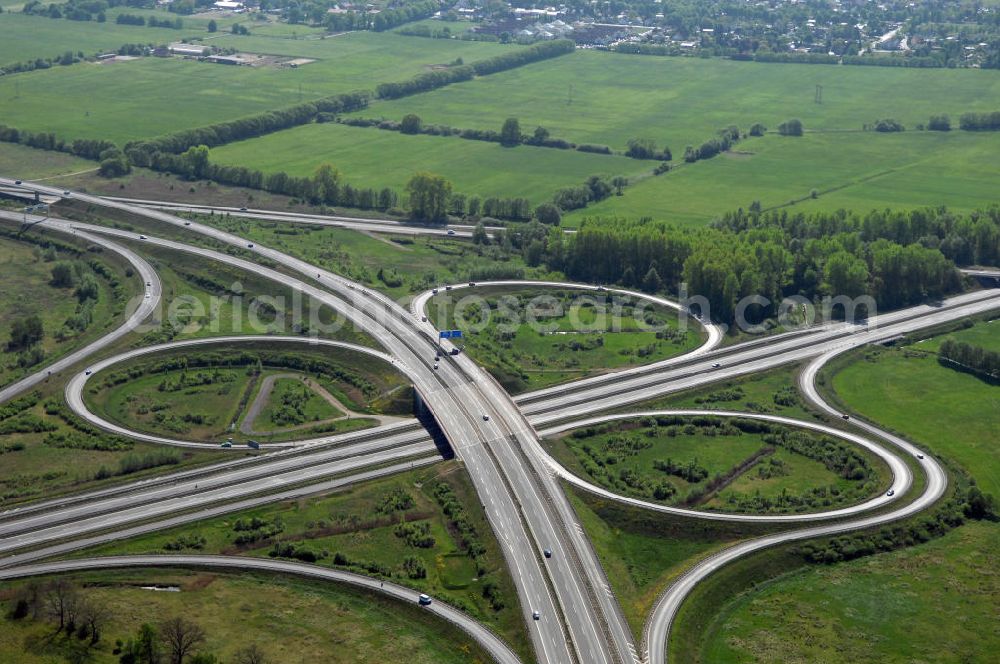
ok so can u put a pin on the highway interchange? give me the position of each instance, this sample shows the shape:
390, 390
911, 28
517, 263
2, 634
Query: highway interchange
515, 477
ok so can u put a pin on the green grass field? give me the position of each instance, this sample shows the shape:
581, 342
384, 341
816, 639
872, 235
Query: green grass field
288, 618
27, 163
196, 411
574, 334
931, 603
122, 101
369, 157
359, 524
599, 97
953, 414
605, 98
857, 171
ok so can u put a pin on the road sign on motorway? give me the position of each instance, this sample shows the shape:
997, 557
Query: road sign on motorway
450, 334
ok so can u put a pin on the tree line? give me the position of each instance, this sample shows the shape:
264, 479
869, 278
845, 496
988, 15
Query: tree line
921, 62
387, 18
980, 121
971, 358
140, 152
898, 258
456, 74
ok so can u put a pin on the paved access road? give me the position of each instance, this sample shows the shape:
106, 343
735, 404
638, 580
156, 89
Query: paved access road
487, 639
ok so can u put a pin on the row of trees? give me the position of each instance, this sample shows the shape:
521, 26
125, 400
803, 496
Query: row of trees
425, 82
86, 148
975, 359
140, 152
777, 255
455, 74
980, 121
510, 134
713, 146
518, 57
391, 17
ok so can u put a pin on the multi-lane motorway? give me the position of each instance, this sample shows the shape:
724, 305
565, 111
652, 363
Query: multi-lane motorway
516, 479
579, 620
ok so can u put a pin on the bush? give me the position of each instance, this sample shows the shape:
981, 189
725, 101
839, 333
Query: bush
939, 123
791, 128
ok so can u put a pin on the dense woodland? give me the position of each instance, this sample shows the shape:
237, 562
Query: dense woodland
899, 258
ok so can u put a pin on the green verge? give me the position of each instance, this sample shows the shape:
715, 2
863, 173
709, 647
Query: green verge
774, 392
19, 161
293, 403
372, 528
643, 552
52, 453
575, 333
288, 618
765, 607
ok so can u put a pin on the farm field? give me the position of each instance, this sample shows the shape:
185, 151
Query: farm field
953, 414
935, 602
372, 528
576, 335
684, 101
857, 171
369, 157
289, 619
122, 101
25, 37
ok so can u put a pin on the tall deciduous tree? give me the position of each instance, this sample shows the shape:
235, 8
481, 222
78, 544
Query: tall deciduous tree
428, 197
510, 133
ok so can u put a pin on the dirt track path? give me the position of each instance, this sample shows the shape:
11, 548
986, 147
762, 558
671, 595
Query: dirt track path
264, 394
